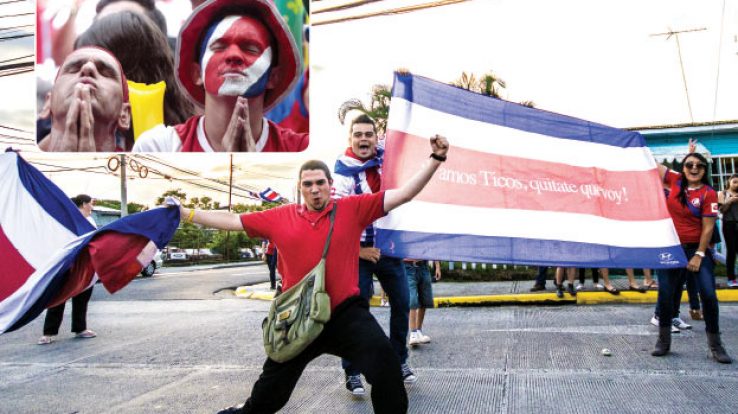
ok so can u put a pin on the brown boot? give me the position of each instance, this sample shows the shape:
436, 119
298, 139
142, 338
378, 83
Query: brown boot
717, 350
663, 345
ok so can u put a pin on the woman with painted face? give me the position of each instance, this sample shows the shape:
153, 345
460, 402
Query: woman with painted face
728, 203
693, 207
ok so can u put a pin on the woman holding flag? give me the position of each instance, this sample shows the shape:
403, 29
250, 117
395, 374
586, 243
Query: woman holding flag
693, 207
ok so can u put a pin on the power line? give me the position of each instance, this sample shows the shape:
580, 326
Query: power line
17, 58
15, 37
11, 1
387, 12
345, 6
16, 15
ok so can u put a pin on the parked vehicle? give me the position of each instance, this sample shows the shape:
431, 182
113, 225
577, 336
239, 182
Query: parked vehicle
176, 254
155, 264
247, 253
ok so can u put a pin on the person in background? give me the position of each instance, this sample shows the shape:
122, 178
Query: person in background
693, 206
728, 205
55, 315
420, 286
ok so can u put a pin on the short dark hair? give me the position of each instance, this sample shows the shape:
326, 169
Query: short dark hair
362, 119
315, 165
80, 199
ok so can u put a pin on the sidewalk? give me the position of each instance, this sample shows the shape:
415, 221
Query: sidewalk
449, 294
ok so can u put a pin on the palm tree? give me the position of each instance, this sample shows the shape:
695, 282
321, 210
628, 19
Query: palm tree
378, 108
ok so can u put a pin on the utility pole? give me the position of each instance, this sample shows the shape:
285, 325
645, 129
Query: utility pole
676, 34
230, 196
123, 187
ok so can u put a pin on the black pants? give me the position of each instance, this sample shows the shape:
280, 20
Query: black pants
352, 333
730, 233
271, 261
55, 315
595, 275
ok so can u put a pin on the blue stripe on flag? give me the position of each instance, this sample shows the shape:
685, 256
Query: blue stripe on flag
519, 251
460, 102
52, 199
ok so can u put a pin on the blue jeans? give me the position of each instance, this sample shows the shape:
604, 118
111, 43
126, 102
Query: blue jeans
392, 278
671, 282
541, 277
419, 284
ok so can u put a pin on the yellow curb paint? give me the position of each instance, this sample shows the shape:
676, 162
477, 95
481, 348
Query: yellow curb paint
582, 298
246, 293
542, 298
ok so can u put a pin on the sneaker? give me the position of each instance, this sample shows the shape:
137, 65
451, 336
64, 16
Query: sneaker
696, 315
407, 374
655, 322
46, 339
559, 291
733, 283
570, 289
579, 287
599, 286
353, 384
414, 338
86, 334
679, 323
424, 339
537, 288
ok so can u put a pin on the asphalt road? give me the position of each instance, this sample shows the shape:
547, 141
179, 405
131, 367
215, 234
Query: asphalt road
171, 345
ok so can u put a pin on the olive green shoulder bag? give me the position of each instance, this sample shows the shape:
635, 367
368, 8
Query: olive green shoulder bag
298, 315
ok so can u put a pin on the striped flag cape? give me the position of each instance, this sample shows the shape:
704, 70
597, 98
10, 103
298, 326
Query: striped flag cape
49, 252
521, 186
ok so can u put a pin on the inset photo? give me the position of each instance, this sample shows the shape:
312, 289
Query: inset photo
172, 76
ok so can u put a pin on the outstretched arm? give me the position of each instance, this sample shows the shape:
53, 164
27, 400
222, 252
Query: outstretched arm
221, 220
399, 196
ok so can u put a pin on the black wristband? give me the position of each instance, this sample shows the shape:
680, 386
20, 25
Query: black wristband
441, 158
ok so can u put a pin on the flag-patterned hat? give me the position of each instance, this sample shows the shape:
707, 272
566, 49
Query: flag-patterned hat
194, 30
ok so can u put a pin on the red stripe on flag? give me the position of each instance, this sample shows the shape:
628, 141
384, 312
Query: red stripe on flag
114, 258
15, 269
479, 179
80, 277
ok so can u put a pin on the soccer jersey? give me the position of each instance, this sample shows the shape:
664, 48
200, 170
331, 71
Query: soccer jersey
701, 202
299, 235
190, 137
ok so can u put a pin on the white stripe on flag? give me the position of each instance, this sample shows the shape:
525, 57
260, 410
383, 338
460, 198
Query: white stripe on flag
485, 137
27, 225
17, 304
543, 225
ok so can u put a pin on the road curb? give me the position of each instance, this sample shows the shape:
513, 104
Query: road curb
524, 299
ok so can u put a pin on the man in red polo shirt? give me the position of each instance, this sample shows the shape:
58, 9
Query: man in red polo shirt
299, 232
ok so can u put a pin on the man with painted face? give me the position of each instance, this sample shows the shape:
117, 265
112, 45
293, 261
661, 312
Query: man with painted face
235, 59
299, 232
87, 104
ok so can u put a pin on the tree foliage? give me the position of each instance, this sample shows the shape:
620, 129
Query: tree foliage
488, 84
115, 205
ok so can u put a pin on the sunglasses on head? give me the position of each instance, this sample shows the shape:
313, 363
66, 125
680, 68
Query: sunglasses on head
691, 165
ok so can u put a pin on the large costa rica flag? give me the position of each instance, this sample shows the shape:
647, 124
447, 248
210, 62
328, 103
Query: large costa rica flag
49, 252
521, 185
